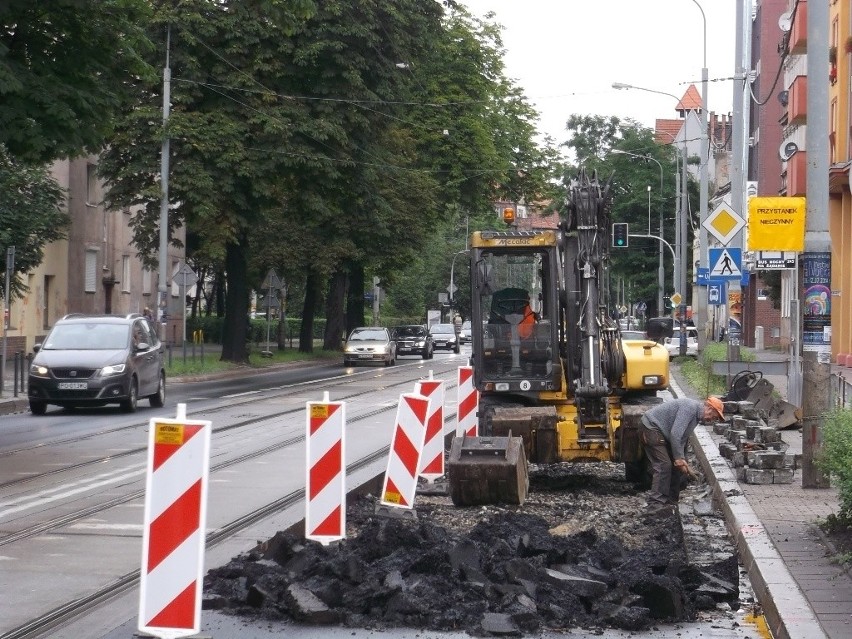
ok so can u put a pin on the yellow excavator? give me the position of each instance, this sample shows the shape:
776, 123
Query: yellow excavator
556, 382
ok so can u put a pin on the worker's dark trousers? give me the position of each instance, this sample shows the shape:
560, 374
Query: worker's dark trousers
667, 480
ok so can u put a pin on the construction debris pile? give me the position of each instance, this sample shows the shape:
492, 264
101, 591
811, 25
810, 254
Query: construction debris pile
577, 554
754, 449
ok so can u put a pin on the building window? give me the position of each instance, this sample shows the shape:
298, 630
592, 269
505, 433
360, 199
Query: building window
146, 281
91, 184
125, 274
91, 271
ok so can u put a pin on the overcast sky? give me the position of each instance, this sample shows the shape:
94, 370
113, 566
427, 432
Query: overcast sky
566, 54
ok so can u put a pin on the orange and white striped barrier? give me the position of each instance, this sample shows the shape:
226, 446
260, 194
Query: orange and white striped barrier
325, 502
400, 484
432, 458
174, 533
468, 403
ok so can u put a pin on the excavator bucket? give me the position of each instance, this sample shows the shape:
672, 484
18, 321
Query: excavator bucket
488, 470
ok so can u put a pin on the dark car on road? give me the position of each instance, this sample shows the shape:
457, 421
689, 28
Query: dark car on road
445, 338
414, 339
93, 360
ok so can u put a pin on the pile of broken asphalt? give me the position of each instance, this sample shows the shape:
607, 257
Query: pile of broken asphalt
574, 555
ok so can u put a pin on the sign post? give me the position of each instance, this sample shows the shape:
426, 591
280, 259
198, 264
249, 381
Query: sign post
10, 269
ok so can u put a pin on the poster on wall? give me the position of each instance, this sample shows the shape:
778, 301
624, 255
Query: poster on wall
816, 322
735, 317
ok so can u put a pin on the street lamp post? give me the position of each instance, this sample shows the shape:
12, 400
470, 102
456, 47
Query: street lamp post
681, 220
660, 269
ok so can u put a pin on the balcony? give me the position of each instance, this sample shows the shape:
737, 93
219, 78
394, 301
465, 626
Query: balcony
799, 32
797, 103
797, 174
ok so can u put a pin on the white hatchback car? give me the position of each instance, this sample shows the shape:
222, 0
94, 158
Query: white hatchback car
672, 343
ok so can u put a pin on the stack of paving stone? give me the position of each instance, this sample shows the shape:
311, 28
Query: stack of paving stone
754, 449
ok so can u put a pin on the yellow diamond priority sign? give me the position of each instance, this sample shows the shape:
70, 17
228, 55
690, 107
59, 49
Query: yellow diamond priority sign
676, 299
724, 223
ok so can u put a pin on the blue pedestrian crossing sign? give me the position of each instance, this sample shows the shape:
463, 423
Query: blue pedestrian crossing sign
725, 263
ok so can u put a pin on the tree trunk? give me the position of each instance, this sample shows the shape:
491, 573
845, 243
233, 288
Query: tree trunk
306, 333
280, 331
219, 300
355, 298
235, 326
334, 320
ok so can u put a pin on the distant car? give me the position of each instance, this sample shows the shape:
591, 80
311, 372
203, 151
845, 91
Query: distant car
464, 336
444, 337
369, 344
633, 335
672, 343
414, 339
93, 360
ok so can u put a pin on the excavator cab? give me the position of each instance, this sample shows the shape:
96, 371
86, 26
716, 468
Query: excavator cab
513, 329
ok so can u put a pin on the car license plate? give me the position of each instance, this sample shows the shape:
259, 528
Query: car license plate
73, 386
367, 356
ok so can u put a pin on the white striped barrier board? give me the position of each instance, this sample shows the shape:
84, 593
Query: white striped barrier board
400, 484
468, 403
325, 495
174, 533
432, 458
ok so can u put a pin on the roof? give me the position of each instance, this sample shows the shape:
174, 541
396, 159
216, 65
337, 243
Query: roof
691, 100
666, 131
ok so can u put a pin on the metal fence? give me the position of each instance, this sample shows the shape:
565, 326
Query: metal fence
841, 391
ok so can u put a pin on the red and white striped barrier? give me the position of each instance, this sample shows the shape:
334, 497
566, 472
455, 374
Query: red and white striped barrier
468, 403
400, 485
432, 458
325, 502
174, 533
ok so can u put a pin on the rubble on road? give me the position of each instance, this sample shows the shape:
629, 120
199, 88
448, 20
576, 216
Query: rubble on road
754, 449
576, 554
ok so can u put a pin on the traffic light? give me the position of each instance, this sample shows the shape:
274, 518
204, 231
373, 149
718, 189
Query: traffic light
619, 234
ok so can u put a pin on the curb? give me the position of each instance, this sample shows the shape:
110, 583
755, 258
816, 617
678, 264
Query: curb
785, 608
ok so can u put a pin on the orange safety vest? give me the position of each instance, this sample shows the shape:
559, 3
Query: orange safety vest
526, 325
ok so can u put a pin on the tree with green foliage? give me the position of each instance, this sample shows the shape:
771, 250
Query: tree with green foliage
66, 68
31, 216
592, 140
230, 128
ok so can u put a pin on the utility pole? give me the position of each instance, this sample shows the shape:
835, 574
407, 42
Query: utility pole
737, 181
816, 324
162, 284
698, 303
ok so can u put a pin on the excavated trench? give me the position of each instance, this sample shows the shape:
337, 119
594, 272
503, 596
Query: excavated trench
577, 554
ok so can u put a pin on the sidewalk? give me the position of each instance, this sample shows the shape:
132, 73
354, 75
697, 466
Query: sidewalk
803, 593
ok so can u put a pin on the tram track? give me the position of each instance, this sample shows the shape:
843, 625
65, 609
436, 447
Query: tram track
119, 583
291, 390
61, 614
